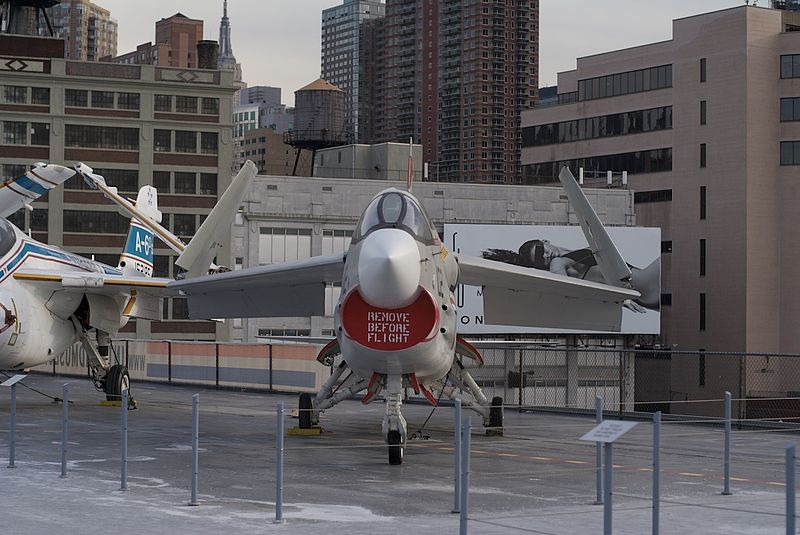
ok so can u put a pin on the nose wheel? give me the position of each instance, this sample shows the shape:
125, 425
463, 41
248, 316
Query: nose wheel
117, 380
394, 425
394, 440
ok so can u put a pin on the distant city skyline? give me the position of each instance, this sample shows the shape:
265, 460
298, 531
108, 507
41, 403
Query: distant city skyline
278, 42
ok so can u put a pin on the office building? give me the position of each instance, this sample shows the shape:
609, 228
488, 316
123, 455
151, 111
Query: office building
175, 44
88, 30
134, 124
707, 125
266, 148
341, 57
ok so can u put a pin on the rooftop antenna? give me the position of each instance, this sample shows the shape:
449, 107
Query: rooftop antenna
410, 164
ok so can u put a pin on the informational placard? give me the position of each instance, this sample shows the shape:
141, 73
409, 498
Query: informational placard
11, 381
608, 431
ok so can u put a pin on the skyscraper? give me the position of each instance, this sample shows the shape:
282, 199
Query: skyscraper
88, 30
341, 65
226, 61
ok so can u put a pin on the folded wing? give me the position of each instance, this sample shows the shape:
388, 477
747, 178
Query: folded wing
514, 295
287, 289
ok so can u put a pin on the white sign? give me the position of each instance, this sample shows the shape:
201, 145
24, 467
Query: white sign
13, 380
608, 431
639, 246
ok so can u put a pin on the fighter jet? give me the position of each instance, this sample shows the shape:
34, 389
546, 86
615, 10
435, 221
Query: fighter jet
396, 319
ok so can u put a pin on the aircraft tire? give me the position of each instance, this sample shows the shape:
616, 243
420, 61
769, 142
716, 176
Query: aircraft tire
395, 448
304, 413
117, 380
496, 412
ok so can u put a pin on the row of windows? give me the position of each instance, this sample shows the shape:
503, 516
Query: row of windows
125, 180
13, 94
101, 222
184, 104
617, 124
101, 137
82, 98
22, 133
625, 83
647, 161
186, 183
658, 195
185, 141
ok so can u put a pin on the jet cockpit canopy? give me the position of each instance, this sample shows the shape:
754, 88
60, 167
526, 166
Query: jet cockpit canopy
396, 209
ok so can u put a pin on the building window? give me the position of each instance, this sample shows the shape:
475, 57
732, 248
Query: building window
15, 133
163, 103
13, 171
790, 109
702, 257
790, 152
161, 180
180, 308
701, 368
185, 141
702, 154
128, 101
666, 246
15, 94
40, 95
102, 99
625, 83
210, 106
101, 137
160, 265
702, 311
95, 222
40, 134
702, 112
666, 300
185, 183
162, 140
790, 66
648, 161
208, 184
185, 104
125, 180
702, 203
208, 142
618, 124
702, 70
283, 244
336, 241
183, 224
76, 98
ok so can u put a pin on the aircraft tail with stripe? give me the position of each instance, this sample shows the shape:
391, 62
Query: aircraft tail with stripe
137, 257
21, 191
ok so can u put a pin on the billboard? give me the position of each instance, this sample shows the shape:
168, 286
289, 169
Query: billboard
559, 249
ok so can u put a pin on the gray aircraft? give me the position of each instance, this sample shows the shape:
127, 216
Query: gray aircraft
396, 319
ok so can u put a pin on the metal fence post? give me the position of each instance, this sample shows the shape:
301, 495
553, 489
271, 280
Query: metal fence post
465, 444
64, 427
123, 464
727, 462
790, 503
656, 470
457, 458
12, 442
279, 467
195, 446
598, 456
607, 484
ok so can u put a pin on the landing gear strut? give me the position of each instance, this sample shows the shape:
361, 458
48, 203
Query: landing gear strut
112, 380
394, 425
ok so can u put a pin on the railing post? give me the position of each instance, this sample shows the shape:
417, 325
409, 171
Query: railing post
12, 441
790, 484
607, 486
123, 464
457, 458
656, 470
279, 467
465, 444
726, 491
195, 446
64, 428
598, 455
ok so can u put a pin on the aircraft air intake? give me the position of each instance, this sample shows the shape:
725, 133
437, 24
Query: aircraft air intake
389, 268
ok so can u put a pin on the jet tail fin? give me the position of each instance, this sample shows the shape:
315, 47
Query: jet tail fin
609, 260
201, 251
137, 257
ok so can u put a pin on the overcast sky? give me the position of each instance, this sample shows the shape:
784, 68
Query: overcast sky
278, 41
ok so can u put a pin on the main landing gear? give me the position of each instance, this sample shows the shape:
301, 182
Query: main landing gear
113, 380
458, 384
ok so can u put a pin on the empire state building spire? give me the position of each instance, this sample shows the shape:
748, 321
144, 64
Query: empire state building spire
226, 60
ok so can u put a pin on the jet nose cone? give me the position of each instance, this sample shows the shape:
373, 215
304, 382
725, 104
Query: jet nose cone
389, 269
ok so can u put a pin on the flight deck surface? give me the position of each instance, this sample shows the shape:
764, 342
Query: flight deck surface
538, 478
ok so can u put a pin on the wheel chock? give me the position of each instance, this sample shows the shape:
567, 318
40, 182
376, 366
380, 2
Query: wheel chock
298, 432
115, 403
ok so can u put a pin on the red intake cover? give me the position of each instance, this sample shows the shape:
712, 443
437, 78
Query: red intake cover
389, 329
